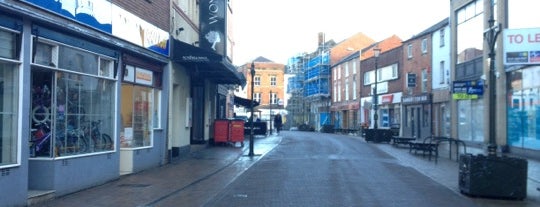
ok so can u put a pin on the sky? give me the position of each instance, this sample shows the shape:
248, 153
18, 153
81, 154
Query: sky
280, 29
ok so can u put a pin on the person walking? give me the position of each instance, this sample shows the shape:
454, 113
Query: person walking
278, 122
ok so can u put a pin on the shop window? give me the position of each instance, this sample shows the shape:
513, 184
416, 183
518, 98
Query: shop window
140, 101
136, 110
45, 54
9, 45
8, 113
72, 107
9, 98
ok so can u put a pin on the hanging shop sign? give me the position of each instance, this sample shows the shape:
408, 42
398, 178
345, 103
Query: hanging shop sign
213, 21
521, 46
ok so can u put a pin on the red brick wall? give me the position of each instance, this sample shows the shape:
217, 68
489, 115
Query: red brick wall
418, 62
394, 56
156, 12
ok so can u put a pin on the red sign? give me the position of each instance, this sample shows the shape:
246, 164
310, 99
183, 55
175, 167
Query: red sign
388, 99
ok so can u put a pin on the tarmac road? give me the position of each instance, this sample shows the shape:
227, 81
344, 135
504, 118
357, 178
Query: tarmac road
293, 169
333, 170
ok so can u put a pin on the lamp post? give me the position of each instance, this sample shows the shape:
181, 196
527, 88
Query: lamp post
252, 73
376, 52
270, 115
490, 35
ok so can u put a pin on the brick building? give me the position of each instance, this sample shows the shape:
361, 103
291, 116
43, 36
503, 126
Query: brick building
389, 82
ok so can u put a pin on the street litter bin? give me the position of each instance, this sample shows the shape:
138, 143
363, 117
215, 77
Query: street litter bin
221, 131
236, 131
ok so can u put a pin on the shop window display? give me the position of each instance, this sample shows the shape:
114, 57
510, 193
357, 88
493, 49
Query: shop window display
9, 93
524, 108
72, 104
139, 107
8, 113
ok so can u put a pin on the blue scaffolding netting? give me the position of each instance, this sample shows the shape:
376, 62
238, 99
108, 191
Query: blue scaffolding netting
316, 74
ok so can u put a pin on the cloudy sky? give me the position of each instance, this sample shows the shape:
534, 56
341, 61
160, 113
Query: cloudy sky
280, 29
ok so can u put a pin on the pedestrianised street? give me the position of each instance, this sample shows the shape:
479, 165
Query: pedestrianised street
293, 169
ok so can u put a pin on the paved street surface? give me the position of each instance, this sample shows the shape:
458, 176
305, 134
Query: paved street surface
295, 169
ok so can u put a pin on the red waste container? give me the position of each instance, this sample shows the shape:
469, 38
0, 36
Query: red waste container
236, 131
221, 130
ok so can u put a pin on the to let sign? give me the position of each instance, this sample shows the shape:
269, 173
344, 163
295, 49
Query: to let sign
521, 46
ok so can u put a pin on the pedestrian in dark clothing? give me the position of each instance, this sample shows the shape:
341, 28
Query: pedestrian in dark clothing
278, 122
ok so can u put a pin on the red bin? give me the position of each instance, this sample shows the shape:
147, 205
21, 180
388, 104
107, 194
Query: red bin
236, 130
221, 130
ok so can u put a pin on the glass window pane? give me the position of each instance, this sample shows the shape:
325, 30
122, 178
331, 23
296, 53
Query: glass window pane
9, 87
8, 44
106, 68
44, 54
84, 115
470, 39
40, 117
137, 116
78, 61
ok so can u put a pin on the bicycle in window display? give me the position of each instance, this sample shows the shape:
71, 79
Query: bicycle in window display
40, 142
100, 141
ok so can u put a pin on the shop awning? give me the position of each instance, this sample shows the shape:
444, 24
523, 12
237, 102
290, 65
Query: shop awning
239, 101
206, 64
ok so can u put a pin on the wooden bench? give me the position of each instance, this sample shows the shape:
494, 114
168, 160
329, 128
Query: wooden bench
397, 140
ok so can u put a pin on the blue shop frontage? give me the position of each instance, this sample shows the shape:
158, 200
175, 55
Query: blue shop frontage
81, 105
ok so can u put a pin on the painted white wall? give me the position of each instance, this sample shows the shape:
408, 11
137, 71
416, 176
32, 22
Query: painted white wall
440, 54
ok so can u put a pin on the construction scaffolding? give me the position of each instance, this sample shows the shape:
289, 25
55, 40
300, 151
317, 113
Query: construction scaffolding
316, 75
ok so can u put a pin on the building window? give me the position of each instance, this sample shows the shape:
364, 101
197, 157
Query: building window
339, 92
369, 78
441, 38
442, 72
73, 99
273, 98
409, 51
354, 87
334, 95
9, 95
273, 80
470, 27
346, 69
257, 80
339, 72
346, 89
424, 80
257, 97
424, 46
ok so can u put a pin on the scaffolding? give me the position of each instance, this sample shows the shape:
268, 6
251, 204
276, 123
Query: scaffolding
316, 75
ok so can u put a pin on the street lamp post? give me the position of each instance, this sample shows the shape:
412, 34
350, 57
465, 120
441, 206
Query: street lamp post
270, 115
376, 52
490, 35
252, 73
